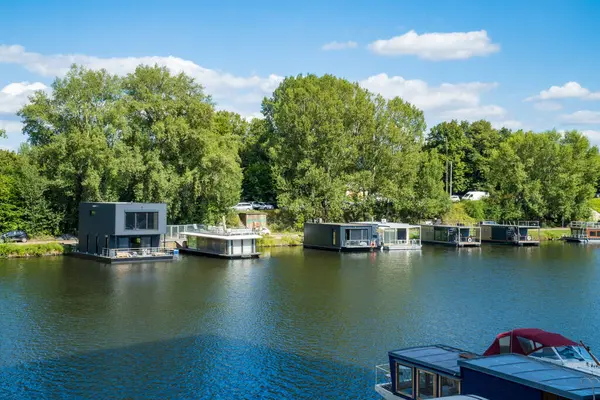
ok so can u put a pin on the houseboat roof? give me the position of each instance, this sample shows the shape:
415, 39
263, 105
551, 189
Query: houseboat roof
437, 357
542, 375
396, 225
223, 237
522, 224
450, 226
357, 224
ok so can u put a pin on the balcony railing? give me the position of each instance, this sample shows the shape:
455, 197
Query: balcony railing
469, 239
138, 252
584, 225
176, 231
358, 243
403, 242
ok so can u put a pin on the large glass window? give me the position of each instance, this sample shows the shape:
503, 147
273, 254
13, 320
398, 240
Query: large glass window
425, 385
449, 386
404, 380
141, 220
546, 352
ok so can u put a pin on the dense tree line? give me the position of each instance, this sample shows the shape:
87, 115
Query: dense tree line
326, 149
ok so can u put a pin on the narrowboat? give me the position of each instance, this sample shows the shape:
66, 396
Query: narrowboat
341, 236
517, 234
584, 232
435, 371
221, 243
396, 235
452, 235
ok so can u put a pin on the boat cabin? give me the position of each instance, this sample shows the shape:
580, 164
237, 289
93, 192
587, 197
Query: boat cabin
424, 372
518, 234
397, 236
429, 372
222, 243
452, 235
584, 232
341, 236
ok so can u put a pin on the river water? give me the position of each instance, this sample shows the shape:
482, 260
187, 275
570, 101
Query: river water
293, 324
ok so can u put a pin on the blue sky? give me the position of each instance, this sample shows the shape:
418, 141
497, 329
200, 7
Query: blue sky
520, 64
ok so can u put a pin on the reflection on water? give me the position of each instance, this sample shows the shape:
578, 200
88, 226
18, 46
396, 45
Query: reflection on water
293, 324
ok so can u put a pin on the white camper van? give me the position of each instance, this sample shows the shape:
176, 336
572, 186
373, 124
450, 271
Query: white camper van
475, 195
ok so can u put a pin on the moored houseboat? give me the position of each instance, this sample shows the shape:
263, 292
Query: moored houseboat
396, 235
517, 234
222, 243
121, 232
584, 232
452, 235
437, 371
341, 236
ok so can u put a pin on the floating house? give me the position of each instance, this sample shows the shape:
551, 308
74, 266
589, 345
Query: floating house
222, 243
428, 372
397, 236
518, 234
341, 236
452, 235
584, 232
122, 232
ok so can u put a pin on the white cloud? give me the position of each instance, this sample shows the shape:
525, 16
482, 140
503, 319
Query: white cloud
339, 45
475, 113
13, 133
221, 85
15, 95
567, 91
583, 117
508, 124
547, 106
592, 135
437, 46
419, 93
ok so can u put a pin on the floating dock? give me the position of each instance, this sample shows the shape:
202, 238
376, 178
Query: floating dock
516, 234
452, 235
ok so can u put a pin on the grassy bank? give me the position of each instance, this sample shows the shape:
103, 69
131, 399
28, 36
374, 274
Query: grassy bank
10, 250
549, 233
280, 240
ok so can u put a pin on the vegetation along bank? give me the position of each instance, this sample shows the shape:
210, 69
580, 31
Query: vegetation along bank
325, 148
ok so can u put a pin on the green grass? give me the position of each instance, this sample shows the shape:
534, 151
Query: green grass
8, 250
457, 214
549, 234
280, 240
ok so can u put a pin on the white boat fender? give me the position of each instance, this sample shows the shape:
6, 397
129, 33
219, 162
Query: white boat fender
469, 240
529, 237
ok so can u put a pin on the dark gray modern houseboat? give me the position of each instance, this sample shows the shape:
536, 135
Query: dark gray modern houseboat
341, 236
122, 232
428, 372
518, 234
452, 235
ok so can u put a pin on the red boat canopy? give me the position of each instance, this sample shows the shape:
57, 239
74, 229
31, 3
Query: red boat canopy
526, 341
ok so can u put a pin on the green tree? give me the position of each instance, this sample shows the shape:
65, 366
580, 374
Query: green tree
259, 181
430, 198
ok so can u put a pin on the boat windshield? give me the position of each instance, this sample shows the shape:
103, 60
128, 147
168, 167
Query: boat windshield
573, 353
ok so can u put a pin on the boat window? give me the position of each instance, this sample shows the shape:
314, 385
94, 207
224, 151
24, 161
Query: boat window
425, 385
526, 344
546, 352
568, 353
404, 379
593, 233
504, 343
449, 386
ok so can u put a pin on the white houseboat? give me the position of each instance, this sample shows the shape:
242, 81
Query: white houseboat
223, 243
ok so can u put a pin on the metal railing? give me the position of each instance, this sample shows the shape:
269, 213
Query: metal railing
358, 243
176, 231
383, 377
469, 239
533, 224
584, 225
523, 238
137, 252
409, 241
